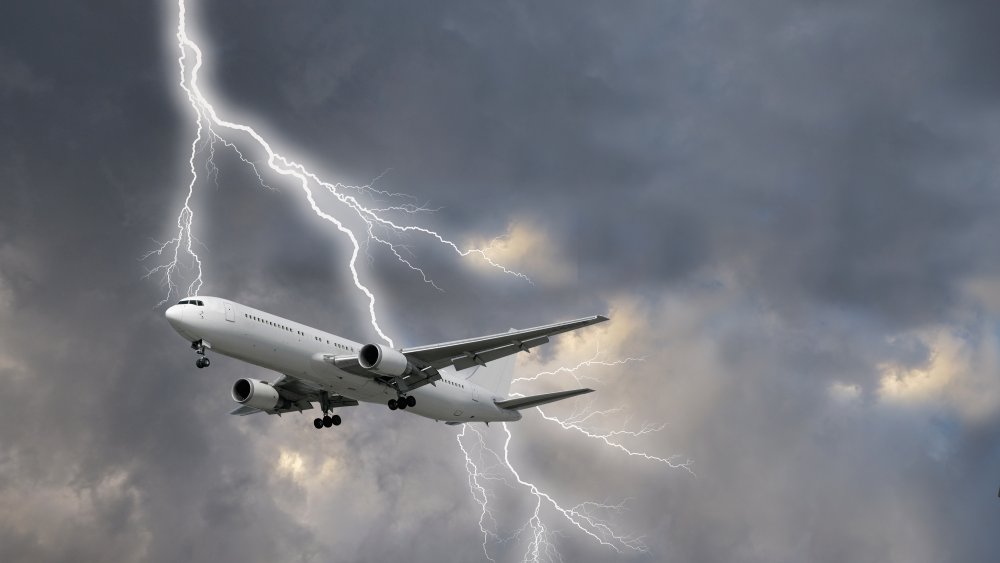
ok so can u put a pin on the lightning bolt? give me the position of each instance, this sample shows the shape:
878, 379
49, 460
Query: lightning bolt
595, 360
579, 420
486, 467
211, 125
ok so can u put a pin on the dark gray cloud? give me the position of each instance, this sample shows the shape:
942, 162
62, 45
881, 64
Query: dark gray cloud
782, 203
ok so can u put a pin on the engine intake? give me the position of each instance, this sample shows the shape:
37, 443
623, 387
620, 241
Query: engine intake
255, 393
384, 361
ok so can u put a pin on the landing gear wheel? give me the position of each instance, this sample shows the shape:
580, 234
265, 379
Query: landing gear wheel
327, 421
392, 404
336, 419
318, 423
401, 403
411, 401
206, 361
201, 362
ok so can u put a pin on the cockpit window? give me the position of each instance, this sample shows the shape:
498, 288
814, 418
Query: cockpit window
194, 302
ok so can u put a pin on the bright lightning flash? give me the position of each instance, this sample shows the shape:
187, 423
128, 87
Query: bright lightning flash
486, 467
179, 259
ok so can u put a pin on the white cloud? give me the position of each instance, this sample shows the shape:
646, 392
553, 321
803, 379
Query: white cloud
961, 374
528, 249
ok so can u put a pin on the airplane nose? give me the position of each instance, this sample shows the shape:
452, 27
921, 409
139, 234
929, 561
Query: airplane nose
174, 314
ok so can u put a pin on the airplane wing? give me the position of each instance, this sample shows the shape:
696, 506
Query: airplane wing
300, 395
464, 354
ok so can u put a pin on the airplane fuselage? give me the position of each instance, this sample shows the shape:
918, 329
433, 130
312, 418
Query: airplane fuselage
287, 347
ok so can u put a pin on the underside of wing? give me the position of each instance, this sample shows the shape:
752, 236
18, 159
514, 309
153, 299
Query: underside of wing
298, 395
300, 406
416, 375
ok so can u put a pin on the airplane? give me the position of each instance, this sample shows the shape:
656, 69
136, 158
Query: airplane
452, 382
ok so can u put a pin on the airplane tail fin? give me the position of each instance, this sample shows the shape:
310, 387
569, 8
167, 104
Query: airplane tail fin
494, 376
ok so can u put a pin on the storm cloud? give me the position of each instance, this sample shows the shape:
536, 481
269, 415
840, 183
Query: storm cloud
787, 208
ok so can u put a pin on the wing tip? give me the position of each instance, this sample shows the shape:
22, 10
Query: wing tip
601, 319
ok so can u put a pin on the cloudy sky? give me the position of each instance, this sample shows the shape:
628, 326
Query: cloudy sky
789, 210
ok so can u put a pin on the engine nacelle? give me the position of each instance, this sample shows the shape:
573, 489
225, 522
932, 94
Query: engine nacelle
255, 393
381, 360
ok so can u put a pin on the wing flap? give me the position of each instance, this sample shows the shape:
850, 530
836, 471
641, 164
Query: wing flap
538, 400
481, 358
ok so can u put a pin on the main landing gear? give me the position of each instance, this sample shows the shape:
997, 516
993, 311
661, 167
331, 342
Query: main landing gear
327, 420
200, 347
402, 402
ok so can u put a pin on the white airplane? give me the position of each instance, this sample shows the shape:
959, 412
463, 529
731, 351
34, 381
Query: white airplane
455, 382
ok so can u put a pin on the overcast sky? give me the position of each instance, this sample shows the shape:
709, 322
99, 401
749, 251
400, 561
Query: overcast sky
788, 209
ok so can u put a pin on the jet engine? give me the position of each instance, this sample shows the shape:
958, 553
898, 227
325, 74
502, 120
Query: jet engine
382, 360
255, 393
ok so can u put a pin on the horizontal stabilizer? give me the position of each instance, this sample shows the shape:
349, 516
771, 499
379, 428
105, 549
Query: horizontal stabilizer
537, 400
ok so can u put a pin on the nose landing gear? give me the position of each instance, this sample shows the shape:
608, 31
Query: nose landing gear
200, 347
